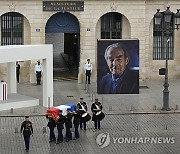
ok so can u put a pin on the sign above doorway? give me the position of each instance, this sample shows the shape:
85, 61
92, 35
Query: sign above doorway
62, 6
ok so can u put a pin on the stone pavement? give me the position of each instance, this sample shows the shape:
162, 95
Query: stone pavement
127, 117
149, 100
117, 126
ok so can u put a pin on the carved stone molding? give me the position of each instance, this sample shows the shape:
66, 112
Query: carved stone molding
12, 7
166, 4
113, 7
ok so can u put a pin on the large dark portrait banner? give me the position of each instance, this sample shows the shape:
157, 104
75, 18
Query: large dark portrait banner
118, 66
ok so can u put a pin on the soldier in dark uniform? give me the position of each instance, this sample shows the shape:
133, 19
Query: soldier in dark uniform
60, 126
27, 131
68, 125
82, 106
17, 71
51, 124
96, 107
76, 122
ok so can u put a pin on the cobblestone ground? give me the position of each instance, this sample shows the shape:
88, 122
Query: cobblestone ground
117, 126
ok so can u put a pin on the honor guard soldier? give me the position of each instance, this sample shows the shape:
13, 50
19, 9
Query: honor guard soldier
60, 126
98, 115
38, 72
27, 131
51, 124
17, 71
82, 106
88, 70
68, 125
76, 122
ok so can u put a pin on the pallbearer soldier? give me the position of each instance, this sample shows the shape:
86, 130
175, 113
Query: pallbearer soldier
68, 125
60, 122
51, 124
27, 131
82, 106
76, 122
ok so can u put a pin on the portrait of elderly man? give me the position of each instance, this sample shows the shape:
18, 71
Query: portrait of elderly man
120, 79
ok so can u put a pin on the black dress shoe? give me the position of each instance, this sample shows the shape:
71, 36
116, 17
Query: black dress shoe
52, 140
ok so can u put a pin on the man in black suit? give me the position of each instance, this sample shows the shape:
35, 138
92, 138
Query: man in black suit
120, 80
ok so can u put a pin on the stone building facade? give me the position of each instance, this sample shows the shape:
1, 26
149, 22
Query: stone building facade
137, 23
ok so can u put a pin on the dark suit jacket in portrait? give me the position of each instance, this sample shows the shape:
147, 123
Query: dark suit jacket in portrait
128, 84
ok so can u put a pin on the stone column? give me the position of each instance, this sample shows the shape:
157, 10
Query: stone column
11, 77
48, 82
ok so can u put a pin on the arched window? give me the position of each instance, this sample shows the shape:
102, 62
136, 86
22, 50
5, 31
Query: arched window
111, 26
12, 29
160, 44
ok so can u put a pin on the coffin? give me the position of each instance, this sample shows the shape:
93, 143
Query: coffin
54, 112
73, 106
63, 108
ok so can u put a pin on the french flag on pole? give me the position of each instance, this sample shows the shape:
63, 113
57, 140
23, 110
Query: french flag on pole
3, 90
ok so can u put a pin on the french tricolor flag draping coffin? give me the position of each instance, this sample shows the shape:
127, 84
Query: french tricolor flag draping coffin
63, 108
3, 91
72, 105
53, 112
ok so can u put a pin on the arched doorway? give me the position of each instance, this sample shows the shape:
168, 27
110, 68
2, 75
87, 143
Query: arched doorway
62, 30
113, 25
12, 29
15, 30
